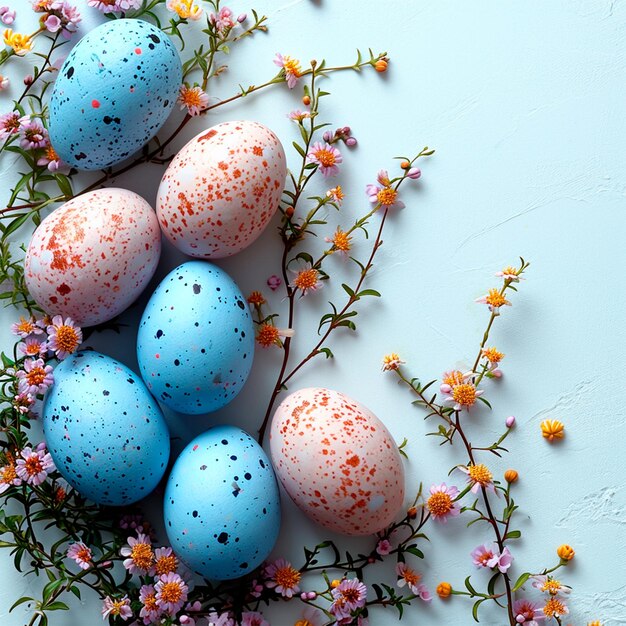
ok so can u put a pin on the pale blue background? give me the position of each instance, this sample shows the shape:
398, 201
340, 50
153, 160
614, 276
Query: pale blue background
524, 103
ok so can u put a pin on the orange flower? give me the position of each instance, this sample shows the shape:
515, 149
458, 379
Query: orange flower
565, 552
444, 590
256, 298
552, 429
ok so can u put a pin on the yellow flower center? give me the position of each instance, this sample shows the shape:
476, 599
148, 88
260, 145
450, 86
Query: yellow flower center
464, 394
267, 335
117, 607
8, 474
552, 587
191, 97
287, 577
84, 554
306, 279
492, 355
67, 339
171, 592
337, 193
341, 241
325, 157
51, 154
411, 577
36, 376
350, 595
480, 474
142, 555
509, 270
292, 66
485, 557
165, 565
256, 298
33, 348
25, 326
150, 602
495, 298
387, 196
303, 622
439, 503
453, 378
554, 608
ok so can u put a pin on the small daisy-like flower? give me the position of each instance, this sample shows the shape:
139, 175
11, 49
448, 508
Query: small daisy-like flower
171, 593
555, 607
194, 99
453, 378
224, 20
185, 9
59, 495
326, 157
34, 135
306, 279
32, 346
392, 362
140, 557
21, 44
11, 124
552, 429
463, 396
25, 327
348, 596
35, 378
494, 300
342, 242
298, 116
256, 298
410, 578
310, 617
119, 607
253, 618
492, 355
51, 159
33, 466
336, 195
150, 610
527, 612
478, 476
441, 503
283, 578
9, 476
383, 193
510, 273
550, 585
165, 561
485, 556
268, 335
64, 336
291, 67
23, 402
383, 547
81, 554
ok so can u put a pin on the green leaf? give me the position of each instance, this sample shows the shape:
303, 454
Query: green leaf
347, 289
520, 581
469, 586
513, 534
369, 292
327, 352
57, 606
21, 601
476, 607
415, 551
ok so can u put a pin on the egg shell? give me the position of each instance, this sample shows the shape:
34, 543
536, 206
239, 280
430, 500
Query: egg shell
221, 190
337, 461
113, 93
105, 432
92, 257
222, 505
195, 343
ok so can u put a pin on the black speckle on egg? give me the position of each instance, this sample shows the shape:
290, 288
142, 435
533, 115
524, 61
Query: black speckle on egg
223, 538
197, 288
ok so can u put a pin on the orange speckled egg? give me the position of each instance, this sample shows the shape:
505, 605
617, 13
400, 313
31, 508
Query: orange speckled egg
337, 461
221, 190
92, 257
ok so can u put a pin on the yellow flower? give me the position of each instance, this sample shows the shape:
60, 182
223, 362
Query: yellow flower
444, 590
185, 9
479, 474
492, 355
555, 608
335, 583
391, 362
268, 335
552, 429
565, 552
21, 44
511, 476
341, 241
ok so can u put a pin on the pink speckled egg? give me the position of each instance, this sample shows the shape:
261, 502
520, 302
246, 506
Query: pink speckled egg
221, 190
337, 461
92, 257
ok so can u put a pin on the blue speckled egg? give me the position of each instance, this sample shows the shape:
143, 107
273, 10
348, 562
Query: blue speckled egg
222, 506
105, 432
195, 343
113, 93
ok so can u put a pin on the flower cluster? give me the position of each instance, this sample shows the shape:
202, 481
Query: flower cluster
58, 16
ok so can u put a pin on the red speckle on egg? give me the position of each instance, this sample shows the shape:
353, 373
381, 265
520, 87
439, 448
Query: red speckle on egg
137, 50
95, 104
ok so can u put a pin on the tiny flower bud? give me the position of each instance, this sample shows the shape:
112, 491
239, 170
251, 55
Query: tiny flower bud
565, 552
414, 173
405, 165
510, 421
327, 136
28, 80
311, 595
289, 211
242, 18
381, 65
304, 596
351, 142
511, 476
444, 590
274, 282
412, 512
520, 619
335, 583
306, 100
346, 131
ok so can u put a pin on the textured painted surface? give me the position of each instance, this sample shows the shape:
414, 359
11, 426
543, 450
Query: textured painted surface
105, 432
222, 507
195, 343
337, 461
523, 102
114, 92
93, 256
221, 189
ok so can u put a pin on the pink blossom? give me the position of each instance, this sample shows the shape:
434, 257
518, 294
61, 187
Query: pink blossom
223, 619
446, 495
81, 554
35, 378
7, 16
118, 6
32, 346
298, 115
194, 99
169, 586
129, 551
120, 607
274, 282
22, 402
527, 612
52, 23
383, 547
410, 578
34, 135
64, 336
150, 612
282, 570
291, 68
489, 556
33, 466
326, 157
256, 588
11, 124
241, 18
53, 161
8, 477
479, 477
26, 327
350, 595
383, 193
223, 20
4, 82
253, 618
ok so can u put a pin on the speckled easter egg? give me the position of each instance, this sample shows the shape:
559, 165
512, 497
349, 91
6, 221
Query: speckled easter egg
93, 256
105, 432
221, 190
337, 461
195, 343
113, 93
222, 506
